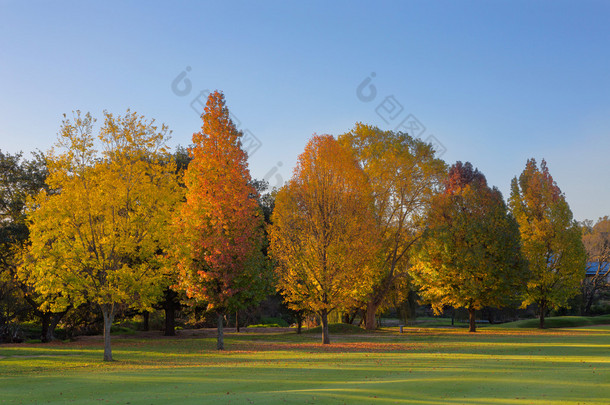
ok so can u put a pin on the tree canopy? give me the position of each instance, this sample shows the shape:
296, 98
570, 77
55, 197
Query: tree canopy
219, 227
471, 255
96, 237
403, 174
551, 239
322, 235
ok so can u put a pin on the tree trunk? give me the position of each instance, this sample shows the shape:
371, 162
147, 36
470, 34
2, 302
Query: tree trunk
371, 310
170, 320
345, 317
590, 303
108, 313
220, 344
237, 321
325, 337
472, 319
50, 335
146, 317
542, 310
299, 322
45, 317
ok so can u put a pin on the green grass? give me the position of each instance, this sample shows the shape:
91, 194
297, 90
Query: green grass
421, 366
560, 322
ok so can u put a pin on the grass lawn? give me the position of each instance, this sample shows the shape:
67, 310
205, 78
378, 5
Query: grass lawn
421, 366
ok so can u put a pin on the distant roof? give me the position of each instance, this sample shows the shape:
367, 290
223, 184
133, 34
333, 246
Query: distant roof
592, 268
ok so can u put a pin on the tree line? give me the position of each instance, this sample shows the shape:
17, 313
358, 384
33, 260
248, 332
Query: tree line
113, 218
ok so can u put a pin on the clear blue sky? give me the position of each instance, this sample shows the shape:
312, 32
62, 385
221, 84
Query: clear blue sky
495, 82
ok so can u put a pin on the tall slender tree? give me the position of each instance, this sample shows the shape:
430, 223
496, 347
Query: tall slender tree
219, 227
471, 255
551, 239
322, 232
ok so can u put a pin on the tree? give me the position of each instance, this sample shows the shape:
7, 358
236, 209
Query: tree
596, 240
551, 239
96, 239
20, 179
403, 175
322, 232
219, 227
471, 255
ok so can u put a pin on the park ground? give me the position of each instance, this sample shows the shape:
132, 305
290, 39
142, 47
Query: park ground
420, 366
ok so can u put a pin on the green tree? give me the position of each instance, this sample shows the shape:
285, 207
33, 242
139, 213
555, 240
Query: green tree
20, 179
219, 228
96, 239
322, 232
471, 255
403, 175
551, 239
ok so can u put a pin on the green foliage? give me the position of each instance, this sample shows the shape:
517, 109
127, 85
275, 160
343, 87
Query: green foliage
470, 257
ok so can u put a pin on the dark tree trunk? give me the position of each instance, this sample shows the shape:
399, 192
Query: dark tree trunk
220, 344
146, 316
108, 313
50, 333
371, 310
589, 303
45, 318
170, 321
325, 336
237, 321
542, 311
299, 322
345, 318
472, 319
170, 305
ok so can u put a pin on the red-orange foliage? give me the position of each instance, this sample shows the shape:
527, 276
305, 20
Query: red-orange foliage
220, 226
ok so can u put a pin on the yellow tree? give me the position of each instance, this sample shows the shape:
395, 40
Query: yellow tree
404, 175
95, 237
322, 231
471, 254
219, 228
551, 239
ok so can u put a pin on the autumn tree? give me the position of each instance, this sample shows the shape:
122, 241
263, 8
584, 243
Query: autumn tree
322, 232
471, 255
551, 239
596, 239
96, 239
403, 175
219, 227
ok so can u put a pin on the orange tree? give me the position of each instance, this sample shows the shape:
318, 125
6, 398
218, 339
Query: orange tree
551, 239
219, 228
96, 237
403, 175
471, 255
322, 232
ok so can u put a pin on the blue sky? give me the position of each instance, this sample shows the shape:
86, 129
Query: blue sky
494, 82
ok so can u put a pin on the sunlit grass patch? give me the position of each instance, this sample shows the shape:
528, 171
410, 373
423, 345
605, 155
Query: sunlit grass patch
420, 366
